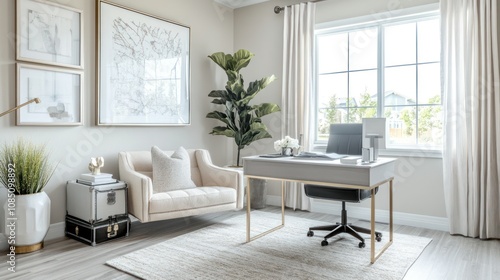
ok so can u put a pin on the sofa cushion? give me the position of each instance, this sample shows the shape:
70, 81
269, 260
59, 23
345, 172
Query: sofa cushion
171, 172
199, 197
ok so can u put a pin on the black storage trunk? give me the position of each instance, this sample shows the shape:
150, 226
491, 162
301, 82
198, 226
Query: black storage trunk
96, 233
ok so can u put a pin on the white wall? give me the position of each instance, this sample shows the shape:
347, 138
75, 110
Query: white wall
211, 31
418, 183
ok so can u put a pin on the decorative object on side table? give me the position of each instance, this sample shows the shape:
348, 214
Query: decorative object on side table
25, 171
286, 145
242, 121
95, 165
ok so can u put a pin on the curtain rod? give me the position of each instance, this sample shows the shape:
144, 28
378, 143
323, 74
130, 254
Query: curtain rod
278, 9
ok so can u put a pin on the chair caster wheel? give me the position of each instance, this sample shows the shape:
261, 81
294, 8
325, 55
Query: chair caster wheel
378, 237
361, 244
324, 243
310, 233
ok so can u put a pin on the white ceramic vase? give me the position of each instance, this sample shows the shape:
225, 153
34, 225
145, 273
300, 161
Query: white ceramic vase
32, 213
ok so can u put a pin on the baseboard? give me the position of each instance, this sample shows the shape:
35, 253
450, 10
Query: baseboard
362, 213
55, 231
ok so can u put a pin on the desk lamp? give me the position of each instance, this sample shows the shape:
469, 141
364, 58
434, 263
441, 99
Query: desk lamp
374, 132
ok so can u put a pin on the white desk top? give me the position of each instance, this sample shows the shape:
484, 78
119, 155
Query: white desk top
320, 170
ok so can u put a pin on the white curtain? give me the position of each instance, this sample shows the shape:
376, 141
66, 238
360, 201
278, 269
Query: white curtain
298, 38
471, 91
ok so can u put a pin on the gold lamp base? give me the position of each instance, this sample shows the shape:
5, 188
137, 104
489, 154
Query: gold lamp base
29, 248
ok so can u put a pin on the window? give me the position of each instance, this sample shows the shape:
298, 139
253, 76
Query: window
388, 68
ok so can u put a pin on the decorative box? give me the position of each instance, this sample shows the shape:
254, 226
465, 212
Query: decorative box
116, 227
96, 203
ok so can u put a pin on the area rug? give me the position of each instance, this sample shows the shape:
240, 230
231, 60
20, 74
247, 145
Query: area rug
219, 252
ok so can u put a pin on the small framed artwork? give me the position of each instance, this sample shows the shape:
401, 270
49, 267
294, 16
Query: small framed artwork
49, 33
143, 69
57, 91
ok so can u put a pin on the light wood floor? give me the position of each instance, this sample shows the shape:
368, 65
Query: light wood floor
446, 257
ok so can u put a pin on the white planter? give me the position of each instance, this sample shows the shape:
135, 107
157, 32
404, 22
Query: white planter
33, 220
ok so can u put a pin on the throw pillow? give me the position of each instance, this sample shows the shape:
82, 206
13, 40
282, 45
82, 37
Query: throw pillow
171, 172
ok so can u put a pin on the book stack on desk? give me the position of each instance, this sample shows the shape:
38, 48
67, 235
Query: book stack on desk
96, 179
351, 160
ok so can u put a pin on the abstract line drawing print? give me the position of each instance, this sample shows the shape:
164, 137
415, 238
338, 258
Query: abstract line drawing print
49, 33
149, 72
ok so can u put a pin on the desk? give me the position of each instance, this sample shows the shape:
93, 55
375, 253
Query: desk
323, 172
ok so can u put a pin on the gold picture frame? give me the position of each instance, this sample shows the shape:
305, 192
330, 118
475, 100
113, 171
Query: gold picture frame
49, 33
143, 69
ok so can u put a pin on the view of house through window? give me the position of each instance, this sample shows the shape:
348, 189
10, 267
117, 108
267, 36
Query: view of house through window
389, 70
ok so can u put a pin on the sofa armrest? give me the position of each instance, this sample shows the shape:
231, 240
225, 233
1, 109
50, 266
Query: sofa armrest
212, 175
140, 188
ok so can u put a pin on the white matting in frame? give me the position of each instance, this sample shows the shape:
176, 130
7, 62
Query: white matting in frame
49, 33
59, 90
143, 69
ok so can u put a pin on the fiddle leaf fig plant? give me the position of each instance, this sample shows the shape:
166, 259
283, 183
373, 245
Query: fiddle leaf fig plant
242, 121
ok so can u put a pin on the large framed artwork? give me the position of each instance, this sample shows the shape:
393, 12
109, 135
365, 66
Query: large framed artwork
143, 73
58, 92
49, 33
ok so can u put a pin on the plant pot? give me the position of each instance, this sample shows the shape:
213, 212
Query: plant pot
258, 193
286, 151
27, 221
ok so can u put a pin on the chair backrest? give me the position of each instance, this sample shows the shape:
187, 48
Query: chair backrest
345, 138
140, 161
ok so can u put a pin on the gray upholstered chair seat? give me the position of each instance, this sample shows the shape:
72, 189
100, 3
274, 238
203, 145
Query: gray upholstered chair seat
339, 194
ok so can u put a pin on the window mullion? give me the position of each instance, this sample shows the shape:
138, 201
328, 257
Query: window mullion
417, 99
380, 72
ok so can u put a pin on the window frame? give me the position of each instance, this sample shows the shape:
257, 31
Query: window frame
401, 16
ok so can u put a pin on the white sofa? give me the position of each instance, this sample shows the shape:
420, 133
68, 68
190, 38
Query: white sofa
217, 189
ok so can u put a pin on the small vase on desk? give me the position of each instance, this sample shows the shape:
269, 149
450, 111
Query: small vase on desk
287, 151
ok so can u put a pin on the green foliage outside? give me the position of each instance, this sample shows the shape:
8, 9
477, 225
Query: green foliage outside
427, 122
367, 108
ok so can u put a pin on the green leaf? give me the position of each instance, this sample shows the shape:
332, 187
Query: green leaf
219, 116
241, 59
258, 85
220, 59
221, 130
218, 93
266, 109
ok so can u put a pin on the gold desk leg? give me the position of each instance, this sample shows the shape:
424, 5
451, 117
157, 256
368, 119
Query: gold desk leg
248, 209
249, 238
391, 229
372, 227
282, 203
374, 256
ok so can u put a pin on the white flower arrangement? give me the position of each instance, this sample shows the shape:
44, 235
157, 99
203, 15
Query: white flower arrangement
287, 142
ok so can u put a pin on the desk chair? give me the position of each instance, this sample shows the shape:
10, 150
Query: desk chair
344, 139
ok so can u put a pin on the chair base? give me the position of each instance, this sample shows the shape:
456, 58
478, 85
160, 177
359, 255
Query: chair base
344, 227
